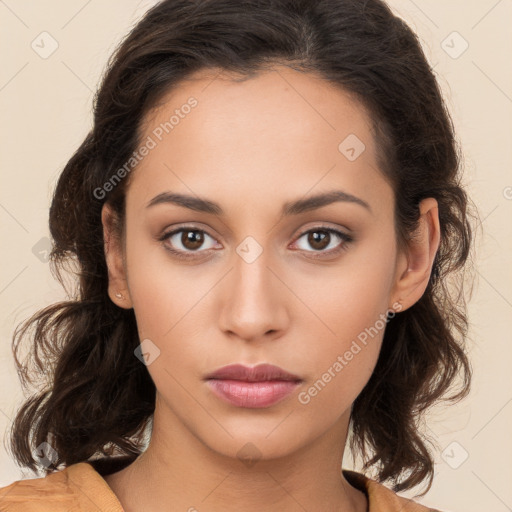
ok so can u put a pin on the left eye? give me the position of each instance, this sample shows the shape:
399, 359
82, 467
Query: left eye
321, 238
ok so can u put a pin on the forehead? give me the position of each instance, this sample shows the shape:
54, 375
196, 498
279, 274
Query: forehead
296, 103
278, 131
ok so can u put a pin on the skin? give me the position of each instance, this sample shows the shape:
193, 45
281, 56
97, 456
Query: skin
253, 146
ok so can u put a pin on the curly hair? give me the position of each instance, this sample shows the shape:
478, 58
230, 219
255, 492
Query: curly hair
97, 399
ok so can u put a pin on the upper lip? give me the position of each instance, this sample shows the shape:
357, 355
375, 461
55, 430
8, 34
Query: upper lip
261, 372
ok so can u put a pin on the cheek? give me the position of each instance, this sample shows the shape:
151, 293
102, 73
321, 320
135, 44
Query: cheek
172, 306
161, 291
341, 364
351, 309
354, 295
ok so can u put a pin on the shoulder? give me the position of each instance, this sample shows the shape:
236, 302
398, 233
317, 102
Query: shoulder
77, 488
381, 498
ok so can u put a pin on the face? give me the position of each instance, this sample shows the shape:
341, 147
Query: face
255, 279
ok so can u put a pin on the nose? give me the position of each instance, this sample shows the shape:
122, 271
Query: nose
255, 300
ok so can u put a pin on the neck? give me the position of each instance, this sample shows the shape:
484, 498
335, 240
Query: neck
182, 472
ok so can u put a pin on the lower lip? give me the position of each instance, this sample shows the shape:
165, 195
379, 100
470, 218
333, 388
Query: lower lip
252, 394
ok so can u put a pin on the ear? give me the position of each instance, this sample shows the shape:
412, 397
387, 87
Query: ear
117, 282
414, 266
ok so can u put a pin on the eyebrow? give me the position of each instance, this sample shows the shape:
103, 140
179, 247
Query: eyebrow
290, 208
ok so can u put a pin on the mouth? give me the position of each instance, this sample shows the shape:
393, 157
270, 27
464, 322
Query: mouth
252, 387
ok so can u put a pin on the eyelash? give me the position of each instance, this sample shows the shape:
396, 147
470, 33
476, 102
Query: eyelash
346, 239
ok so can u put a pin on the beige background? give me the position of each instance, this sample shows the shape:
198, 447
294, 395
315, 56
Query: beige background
46, 112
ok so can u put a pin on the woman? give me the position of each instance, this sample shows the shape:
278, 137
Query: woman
265, 217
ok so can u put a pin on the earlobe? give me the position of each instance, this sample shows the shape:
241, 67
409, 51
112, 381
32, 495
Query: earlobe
117, 283
414, 270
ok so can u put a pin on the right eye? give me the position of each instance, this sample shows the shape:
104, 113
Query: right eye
185, 241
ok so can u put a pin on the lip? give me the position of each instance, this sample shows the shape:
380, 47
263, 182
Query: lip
258, 373
252, 387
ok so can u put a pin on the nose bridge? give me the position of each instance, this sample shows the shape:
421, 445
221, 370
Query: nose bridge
252, 278
254, 303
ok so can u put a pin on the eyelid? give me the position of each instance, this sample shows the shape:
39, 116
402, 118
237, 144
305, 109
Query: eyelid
321, 226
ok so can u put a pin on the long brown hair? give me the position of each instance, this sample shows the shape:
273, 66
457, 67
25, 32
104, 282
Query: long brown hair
97, 398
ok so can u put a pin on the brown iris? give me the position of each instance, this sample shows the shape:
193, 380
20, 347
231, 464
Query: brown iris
318, 239
194, 238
